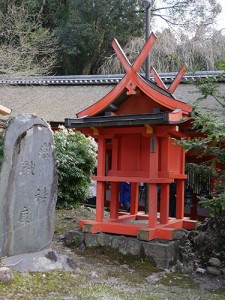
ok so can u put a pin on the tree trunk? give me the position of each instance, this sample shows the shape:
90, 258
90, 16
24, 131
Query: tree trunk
92, 59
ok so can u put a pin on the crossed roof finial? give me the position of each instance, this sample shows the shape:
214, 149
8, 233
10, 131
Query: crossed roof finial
131, 70
133, 79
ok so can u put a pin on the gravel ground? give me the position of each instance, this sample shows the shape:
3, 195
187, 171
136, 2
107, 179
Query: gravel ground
129, 277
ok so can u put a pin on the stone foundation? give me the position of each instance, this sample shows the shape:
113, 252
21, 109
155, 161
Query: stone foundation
164, 253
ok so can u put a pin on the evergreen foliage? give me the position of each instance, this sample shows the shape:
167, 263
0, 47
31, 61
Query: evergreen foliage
76, 160
210, 239
91, 25
210, 145
74, 37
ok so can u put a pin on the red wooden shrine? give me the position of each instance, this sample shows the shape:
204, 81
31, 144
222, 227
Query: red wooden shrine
135, 125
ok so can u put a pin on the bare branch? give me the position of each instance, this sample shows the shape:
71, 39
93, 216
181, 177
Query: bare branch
26, 48
199, 53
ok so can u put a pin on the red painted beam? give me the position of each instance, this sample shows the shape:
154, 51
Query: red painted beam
177, 80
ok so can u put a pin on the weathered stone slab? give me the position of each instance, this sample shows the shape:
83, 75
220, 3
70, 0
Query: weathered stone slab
42, 261
126, 245
213, 271
28, 187
163, 253
74, 237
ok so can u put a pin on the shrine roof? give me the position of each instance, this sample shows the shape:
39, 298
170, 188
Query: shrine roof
154, 86
132, 82
165, 118
123, 96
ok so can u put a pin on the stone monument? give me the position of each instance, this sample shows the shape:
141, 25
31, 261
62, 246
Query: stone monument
28, 186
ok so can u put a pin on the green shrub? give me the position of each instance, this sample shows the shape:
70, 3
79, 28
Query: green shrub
76, 160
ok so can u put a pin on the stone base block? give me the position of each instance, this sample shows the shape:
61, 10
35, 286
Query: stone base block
162, 252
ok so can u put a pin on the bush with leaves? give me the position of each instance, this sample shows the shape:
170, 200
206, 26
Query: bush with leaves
3, 127
209, 146
76, 160
210, 149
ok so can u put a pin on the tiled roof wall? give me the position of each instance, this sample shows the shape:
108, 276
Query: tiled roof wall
102, 79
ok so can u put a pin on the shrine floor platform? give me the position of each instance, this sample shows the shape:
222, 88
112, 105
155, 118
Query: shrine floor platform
138, 225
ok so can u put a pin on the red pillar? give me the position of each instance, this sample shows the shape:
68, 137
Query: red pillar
153, 187
152, 205
165, 156
114, 200
180, 188
180, 199
134, 198
164, 203
115, 153
100, 193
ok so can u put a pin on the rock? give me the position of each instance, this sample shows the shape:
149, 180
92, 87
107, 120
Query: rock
51, 255
113, 280
188, 267
162, 253
93, 275
155, 277
104, 239
203, 226
74, 238
129, 246
71, 263
126, 245
78, 270
179, 266
213, 271
200, 271
91, 240
197, 263
6, 275
28, 186
40, 261
192, 235
82, 247
215, 262
168, 271
180, 234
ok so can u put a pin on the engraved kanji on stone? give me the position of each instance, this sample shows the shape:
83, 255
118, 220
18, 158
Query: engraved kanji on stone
24, 216
28, 167
41, 195
45, 151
